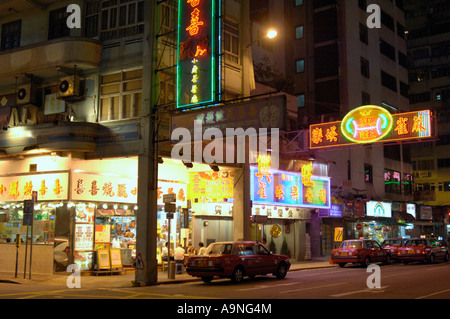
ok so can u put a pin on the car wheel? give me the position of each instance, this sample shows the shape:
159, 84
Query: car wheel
366, 262
342, 265
281, 271
238, 275
207, 279
405, 262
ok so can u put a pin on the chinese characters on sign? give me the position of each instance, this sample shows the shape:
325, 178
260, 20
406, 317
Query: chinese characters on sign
289, 188
197, 80
89, 187
49, 187
370, 124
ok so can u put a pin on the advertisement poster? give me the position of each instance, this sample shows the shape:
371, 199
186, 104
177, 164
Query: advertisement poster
211, 187
84, 236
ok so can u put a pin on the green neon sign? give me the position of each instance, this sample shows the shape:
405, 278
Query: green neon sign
198, 62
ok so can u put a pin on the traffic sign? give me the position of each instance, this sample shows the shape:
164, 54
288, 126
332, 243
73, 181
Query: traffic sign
139, 262
169, 198
28, 212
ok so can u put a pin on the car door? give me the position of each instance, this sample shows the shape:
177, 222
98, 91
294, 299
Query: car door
378, 251
265, 258
249, 259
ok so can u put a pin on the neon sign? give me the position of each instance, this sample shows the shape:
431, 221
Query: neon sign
276, 187
371, 124
198, 63
367, 124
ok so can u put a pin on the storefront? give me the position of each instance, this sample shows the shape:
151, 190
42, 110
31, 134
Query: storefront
284, 203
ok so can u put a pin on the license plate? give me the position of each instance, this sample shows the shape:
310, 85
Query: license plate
344, 253
411, 252
201, 263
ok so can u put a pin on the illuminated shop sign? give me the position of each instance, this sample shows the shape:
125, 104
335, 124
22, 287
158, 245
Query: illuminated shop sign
370, 124
379, 209
275, 187
197, 64
48, 186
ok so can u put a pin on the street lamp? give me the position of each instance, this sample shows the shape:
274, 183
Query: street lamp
271, 34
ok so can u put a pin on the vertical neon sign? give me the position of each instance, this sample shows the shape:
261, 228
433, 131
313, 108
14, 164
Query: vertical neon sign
198, 43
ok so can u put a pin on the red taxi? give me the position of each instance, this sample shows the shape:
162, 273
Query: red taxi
359, 251
393, 245
235, 260
423, 249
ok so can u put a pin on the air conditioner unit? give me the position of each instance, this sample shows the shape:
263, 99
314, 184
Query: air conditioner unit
69, 87
26, 94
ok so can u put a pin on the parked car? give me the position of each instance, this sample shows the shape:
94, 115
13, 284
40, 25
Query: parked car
235, 260
423, 249
359, 251
393, 245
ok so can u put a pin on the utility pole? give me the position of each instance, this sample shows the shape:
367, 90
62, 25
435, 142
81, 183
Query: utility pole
148, 164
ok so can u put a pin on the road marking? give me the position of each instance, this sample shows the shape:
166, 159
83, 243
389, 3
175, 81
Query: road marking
436, 268
374, 290
433, 294
289, 291
269, 286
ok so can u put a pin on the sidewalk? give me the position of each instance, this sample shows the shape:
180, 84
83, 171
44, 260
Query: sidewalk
125, 280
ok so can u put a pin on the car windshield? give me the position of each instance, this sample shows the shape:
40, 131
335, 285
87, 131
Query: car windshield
351, 244
218, 249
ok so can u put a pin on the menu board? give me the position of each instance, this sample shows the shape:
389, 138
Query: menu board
102, 234
103, 259
84, 214
116, 258
84, 236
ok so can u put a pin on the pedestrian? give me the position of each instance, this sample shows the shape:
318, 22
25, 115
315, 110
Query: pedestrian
191, 250
179, 254
201, 249
165, 252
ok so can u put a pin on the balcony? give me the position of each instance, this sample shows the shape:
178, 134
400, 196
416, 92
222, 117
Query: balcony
42, 59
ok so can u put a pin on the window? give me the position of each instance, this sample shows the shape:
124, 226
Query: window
231, 43
362, 4
11, 35
299, 32
387, 50
298, 3
363, 34
116, 19
392, 182
402, 60
388, 81
365, 68
301, 100
447, 186
404, 89
401, 31
58, 24
365, 98
121, 95
387, 20
368, 173
300, 66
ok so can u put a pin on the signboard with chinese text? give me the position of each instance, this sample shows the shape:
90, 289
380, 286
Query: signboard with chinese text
284, 188
90, 187
49, 187
260, 113
84, 237
179, 189
198, 73
370, 124
211, 187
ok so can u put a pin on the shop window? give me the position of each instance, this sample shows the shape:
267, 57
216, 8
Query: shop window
121, 96
44, 224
